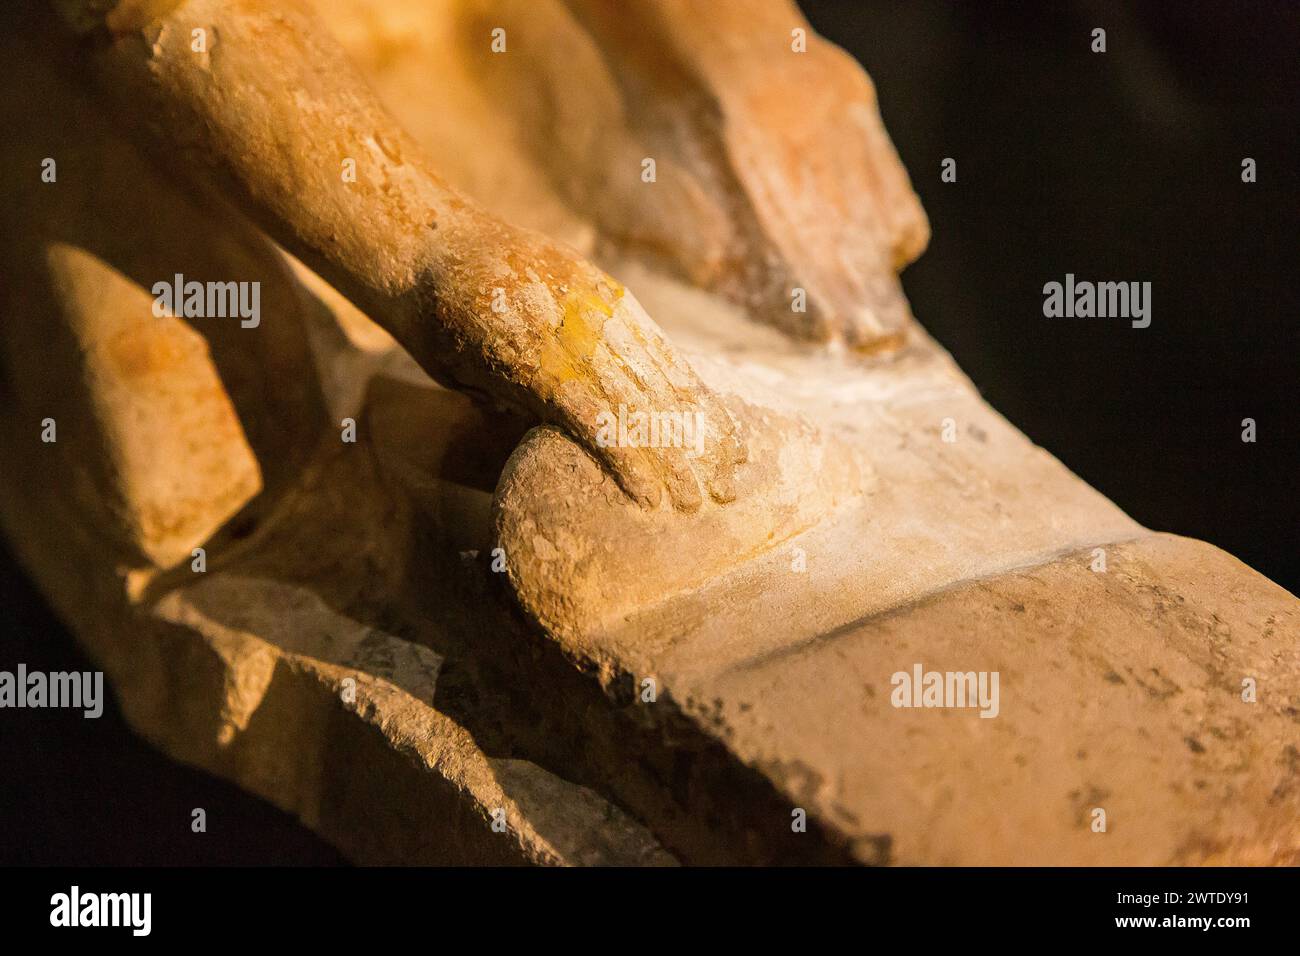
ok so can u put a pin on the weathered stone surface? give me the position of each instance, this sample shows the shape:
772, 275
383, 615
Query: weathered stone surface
974, 555
278, 665
382, 772
279, 668
350, 653
772, 170
481, 304
168, 426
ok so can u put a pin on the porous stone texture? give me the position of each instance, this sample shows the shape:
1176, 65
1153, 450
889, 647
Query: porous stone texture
1121, 688
457, 620
280, 657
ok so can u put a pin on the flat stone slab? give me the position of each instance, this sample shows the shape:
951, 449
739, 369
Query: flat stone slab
1120, 689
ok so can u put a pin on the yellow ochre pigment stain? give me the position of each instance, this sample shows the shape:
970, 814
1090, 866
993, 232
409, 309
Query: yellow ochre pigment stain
585, 310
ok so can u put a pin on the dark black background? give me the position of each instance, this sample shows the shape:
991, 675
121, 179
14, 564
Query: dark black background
1123, 166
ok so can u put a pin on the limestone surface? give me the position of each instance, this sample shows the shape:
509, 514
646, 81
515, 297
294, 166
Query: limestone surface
447, 631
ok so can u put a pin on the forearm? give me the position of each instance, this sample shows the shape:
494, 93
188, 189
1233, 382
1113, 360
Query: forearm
264, 106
